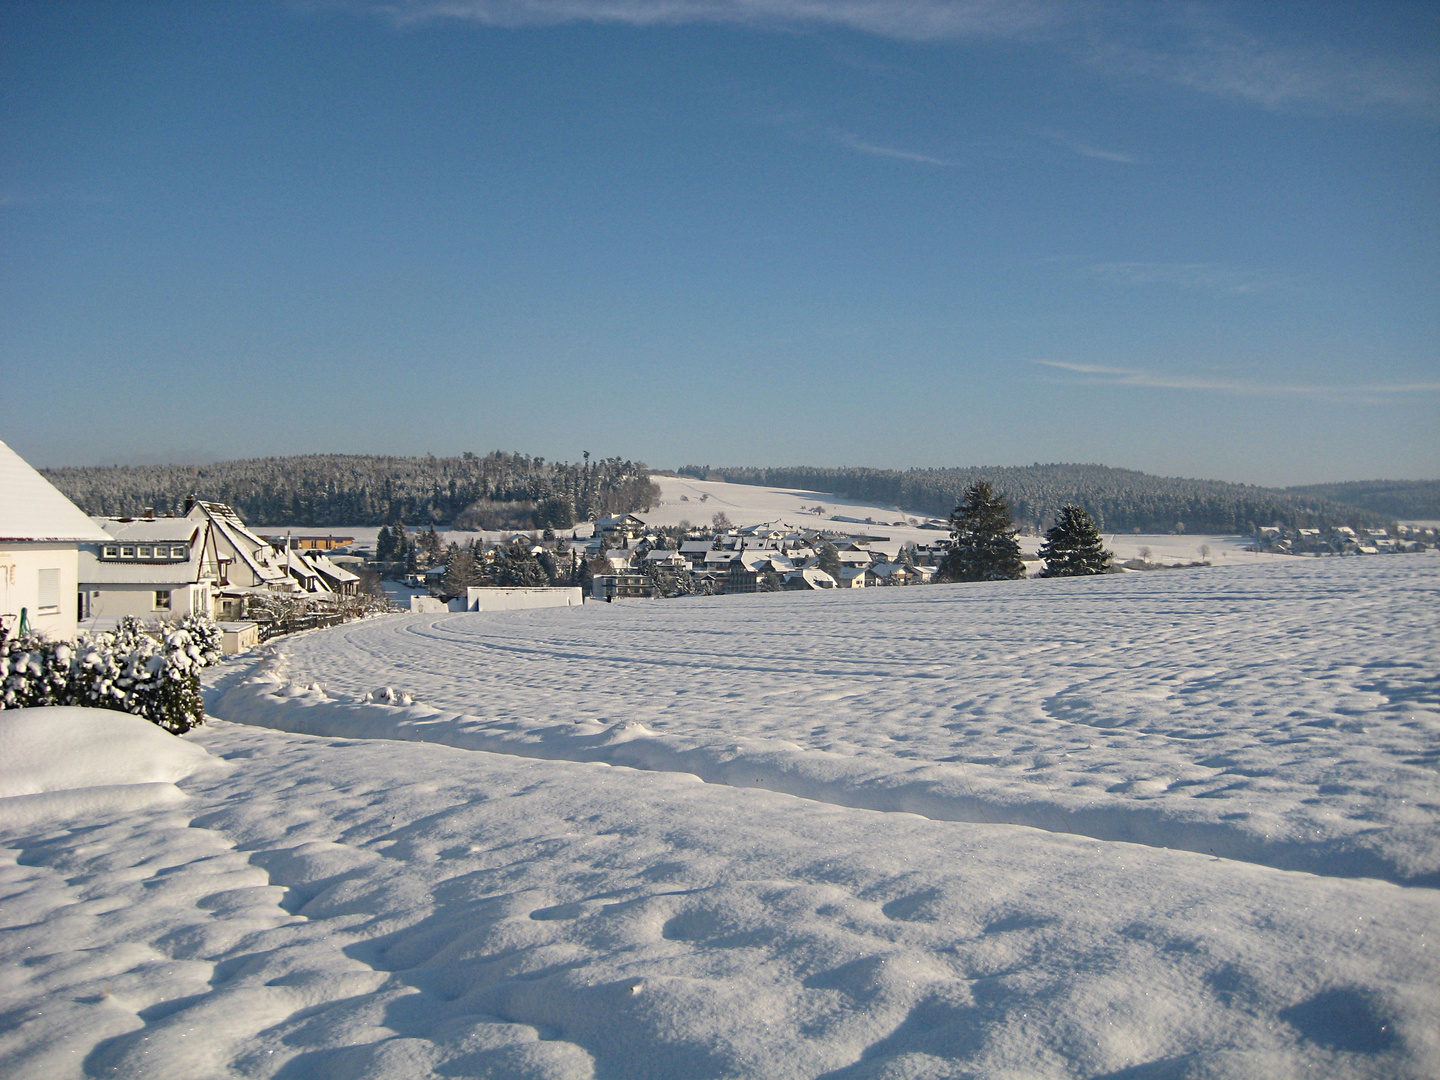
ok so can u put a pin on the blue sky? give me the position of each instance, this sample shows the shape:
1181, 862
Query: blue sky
1195, 239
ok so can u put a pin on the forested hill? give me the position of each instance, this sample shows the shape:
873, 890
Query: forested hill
1121, 499
1413, 500
496, 491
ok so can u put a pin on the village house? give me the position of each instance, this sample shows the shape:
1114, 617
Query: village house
337, 579
811, 577
150, 568
244, 566
893, 573
669, 560
40, 536
313, 543
622, 585
619, 529
856, 577
695, 551
750, 568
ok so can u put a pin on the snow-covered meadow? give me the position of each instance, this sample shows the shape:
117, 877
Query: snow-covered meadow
1144, 826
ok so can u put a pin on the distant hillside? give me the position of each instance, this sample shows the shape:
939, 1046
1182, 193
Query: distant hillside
1408, 499
497, 491
1121, 499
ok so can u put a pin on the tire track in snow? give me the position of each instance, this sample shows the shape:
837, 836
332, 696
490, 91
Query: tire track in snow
264, 697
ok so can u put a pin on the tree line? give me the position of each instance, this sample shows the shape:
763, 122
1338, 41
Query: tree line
1412, 500
1121, 500
498, 490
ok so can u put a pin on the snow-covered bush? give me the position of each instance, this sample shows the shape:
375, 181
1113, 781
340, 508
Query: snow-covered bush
127, 669
36, 671
205, 638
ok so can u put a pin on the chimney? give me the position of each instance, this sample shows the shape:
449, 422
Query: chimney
189, 503
149, 513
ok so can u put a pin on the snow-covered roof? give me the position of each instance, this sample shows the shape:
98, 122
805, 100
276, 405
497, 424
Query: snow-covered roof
888, 569
32, 508
813, 577
160, 575
330, 569
150, 530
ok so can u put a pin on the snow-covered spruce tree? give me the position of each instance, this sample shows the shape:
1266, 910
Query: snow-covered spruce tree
462, 571
982, 539
516, 567
1073, 547
830, 560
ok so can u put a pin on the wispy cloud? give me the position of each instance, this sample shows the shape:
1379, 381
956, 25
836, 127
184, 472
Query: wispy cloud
916, 20
1087, 149
1367, 394
862, 147
1189, 44
1194, 46
1208, 277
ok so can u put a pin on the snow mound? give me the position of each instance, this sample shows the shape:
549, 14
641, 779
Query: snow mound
67, 748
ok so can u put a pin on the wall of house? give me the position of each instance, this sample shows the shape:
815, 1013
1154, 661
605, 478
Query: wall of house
21, 564
110, 601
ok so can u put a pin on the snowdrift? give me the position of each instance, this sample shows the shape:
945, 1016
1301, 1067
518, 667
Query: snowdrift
77, 763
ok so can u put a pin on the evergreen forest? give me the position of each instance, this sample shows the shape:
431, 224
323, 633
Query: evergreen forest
1121, 500
495, 491
1412, 500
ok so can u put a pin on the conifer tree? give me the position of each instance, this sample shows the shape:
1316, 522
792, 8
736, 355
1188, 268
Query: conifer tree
461, 572
1073, 547
830, 560
983, 545
430, 546
515, 566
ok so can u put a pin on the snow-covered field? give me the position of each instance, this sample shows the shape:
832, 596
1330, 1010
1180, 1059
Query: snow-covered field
1146, 826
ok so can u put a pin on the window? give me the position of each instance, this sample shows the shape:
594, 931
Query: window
143, 552
162, 600
48, 600
127, 552
179, 551
110, 552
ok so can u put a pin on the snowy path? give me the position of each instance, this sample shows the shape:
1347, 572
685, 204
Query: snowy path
1287, 715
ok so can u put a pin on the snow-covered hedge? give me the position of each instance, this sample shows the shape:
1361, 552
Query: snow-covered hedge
126, 670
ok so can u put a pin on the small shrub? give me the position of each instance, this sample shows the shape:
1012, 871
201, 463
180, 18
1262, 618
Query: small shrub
126, 670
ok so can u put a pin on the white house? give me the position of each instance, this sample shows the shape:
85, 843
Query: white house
624, 527
40, 536
148, 567
243, 564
